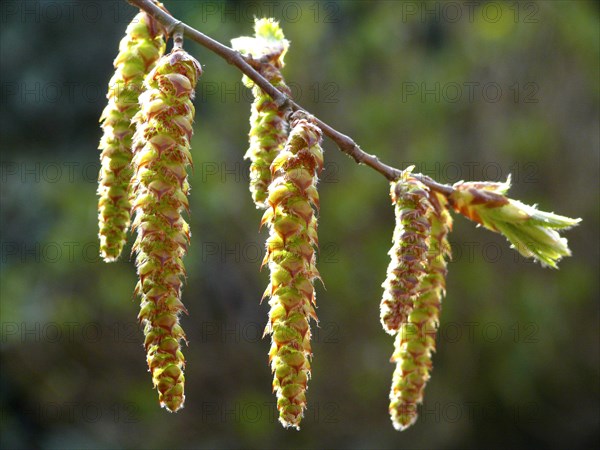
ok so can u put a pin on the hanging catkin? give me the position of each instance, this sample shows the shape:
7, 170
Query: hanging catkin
268, 127
161, 156
292, 220
408, 253
415, 342
139, 50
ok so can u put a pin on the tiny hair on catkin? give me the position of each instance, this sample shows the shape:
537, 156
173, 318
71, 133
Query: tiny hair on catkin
415, 341
161, 157
139, 50
291, 246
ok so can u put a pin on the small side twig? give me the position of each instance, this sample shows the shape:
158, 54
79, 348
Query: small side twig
177, 31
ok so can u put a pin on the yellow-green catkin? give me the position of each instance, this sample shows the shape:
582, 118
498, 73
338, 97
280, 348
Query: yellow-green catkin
139, 50
268, 127
161, 156
408, 253
294, 203
415, 342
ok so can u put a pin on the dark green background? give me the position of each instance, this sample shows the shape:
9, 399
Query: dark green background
518, 356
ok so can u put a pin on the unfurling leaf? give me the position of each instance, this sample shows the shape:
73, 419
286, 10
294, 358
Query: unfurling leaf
531, 232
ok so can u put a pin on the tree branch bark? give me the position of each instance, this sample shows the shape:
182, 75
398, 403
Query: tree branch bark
343, 142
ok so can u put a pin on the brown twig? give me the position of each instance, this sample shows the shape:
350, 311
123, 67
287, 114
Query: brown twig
344, 143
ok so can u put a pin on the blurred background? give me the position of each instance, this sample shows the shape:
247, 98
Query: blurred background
462, 90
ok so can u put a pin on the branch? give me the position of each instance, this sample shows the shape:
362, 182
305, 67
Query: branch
344, 143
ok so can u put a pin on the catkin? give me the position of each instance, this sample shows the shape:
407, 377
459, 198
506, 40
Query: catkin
415, 341
139, 50
161, 157
268, 127
292, 220
268, 134
408, 253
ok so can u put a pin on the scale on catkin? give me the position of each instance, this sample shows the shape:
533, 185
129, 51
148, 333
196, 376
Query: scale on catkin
268, 127
139, 50
161, 157
292, 221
